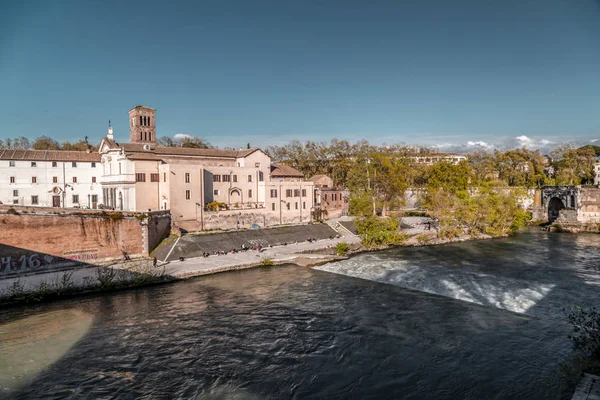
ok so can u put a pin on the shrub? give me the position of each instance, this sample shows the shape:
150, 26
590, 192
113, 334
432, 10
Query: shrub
377, 232
12, 211
105, 276
267, 262
215, 205
116, 216
586, 330
342, 248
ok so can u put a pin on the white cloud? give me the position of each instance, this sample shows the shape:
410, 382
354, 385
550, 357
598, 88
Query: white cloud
182, 136
523, 139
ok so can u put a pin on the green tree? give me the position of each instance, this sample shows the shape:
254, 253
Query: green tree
521, 167
45, 143
185, 141
576, 167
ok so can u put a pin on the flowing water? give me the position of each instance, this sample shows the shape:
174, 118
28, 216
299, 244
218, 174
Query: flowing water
496, 330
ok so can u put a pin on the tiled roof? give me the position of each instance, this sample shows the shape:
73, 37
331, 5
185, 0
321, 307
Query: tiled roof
283, 170
317, 177
49, 155
134, 148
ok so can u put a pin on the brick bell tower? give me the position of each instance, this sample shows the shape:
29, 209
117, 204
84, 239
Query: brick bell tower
142, 125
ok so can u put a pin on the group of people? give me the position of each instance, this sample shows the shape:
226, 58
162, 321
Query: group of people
244, 247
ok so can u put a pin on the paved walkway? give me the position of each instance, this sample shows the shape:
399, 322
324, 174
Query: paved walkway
195, 266
588, 388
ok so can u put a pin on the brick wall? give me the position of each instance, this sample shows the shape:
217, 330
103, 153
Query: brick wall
36, 238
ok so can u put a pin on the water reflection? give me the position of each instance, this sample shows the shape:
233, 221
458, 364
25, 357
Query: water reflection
30, 344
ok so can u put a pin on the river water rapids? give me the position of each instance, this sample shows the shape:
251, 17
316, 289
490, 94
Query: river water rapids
474, 320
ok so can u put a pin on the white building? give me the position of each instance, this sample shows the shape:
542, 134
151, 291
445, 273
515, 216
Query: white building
597, 171
50, 178
203, 188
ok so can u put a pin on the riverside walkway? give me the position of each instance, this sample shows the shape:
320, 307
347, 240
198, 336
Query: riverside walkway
294, 253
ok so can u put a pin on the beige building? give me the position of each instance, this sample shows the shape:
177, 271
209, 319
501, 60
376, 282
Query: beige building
203, 188
330, 202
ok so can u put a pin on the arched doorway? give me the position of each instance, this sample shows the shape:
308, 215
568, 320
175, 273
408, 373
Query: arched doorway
554, 206
235, 197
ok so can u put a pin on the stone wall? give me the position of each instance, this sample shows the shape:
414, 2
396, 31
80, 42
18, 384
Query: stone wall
239, 219
589, 205
155, 229
36, 239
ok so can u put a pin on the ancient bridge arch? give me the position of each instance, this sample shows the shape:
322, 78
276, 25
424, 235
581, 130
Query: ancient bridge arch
557, 198
554, 206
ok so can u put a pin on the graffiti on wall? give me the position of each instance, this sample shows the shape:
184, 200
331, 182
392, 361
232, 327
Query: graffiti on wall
25, 262
81, 255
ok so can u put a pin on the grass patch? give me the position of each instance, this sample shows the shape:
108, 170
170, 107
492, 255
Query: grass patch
342, 248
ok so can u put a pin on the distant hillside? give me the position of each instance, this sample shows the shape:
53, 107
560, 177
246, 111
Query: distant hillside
596, 148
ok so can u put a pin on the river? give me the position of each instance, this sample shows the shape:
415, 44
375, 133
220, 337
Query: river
474, 320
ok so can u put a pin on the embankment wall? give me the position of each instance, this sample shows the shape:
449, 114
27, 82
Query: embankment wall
39, 239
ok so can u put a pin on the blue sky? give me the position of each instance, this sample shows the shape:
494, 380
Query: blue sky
433, 72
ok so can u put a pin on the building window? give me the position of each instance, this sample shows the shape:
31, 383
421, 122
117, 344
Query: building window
225, 178
16, 201
303, 192
304, 205
12, 179
273, 193
164, 176
249, 178
216, 178
234, 178
216, 192
325, 196
94, 198
54, 164
249, 193
15, 193
75, 199
296, 205
55, 179
296, 192
187, 177
154, 177
93, 165
287, 205
188, 194
74, 164
11, 163
140, 177
74, 179
34, 179
261, 176
288, 193
93, 179
273, 206
34, 200
257, 165
34, 164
